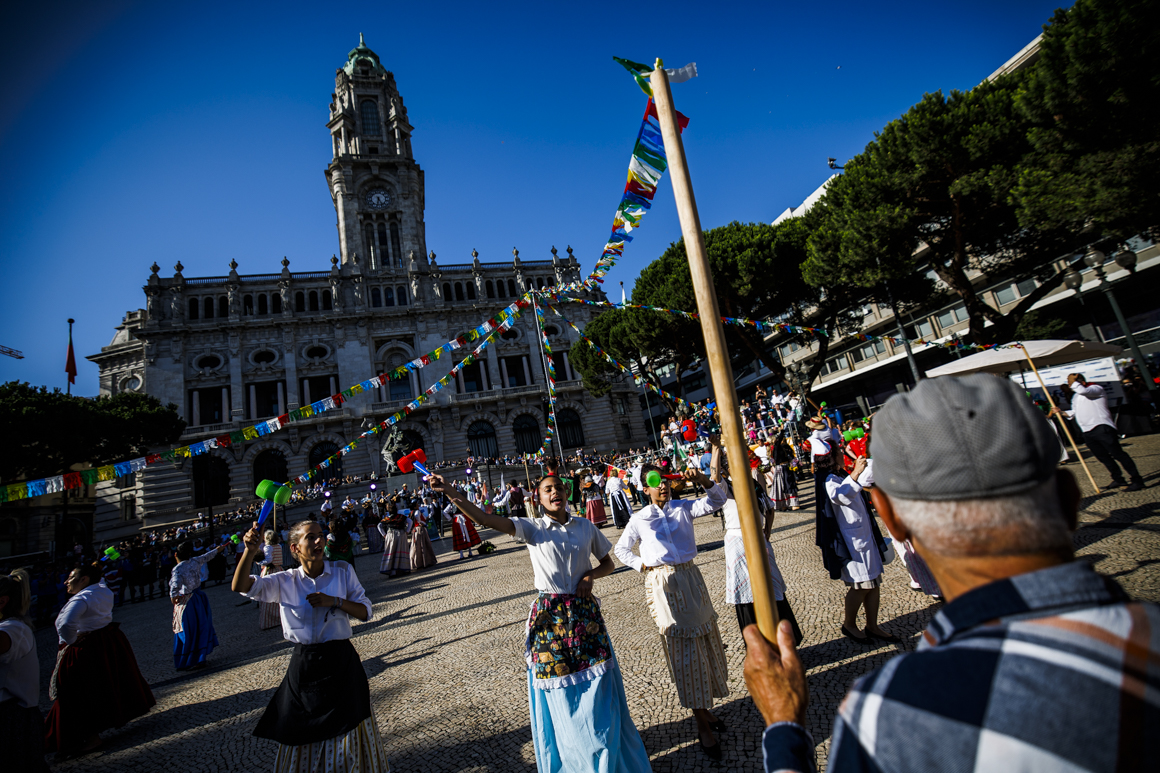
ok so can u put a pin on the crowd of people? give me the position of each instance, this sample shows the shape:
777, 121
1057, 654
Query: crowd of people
963, 472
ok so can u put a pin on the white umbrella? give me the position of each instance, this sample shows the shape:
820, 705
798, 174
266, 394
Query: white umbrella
1012, 357
1041, 352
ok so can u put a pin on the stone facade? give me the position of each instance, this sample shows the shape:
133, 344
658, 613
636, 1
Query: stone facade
230, 350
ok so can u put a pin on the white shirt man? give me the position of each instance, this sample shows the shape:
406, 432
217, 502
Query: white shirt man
1089, 408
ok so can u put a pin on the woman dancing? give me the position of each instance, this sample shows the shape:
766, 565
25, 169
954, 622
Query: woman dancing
193, 635
96, 684
21, 725
271, 563
422, 551
396, 553
321, 714
579, 714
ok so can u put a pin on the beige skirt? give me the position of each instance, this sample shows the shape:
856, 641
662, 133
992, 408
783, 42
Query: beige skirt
680, 604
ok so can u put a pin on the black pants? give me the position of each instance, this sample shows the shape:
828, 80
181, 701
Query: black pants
746, 616
1105, 446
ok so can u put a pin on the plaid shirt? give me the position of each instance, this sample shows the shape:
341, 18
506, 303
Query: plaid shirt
1051, 670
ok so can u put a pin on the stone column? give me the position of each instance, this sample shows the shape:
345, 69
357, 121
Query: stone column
333, 386
196, 408
225, 404
254, 402
567, 366
492, 369
527, 371
281, 398
235, 410
291, 366
504, 373
459, 380
415, 390
306, 391
483, 375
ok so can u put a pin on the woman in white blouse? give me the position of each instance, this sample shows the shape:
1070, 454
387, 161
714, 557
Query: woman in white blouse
862, 573
321, 714
21, 724
96, 684
193, 634
579, 713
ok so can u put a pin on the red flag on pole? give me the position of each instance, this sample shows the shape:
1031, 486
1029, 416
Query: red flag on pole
70, 365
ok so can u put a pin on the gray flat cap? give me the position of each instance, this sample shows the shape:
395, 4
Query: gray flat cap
962, 437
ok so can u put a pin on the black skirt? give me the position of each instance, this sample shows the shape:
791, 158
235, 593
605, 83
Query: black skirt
325, 694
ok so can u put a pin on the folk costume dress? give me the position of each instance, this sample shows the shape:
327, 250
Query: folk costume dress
193, 634
863, 565
618, 498
593, 502
466, 537
677, 596
21, 723
96, 684
422, 551
782, 485
396, 551
579, 713
268, 616
320, 715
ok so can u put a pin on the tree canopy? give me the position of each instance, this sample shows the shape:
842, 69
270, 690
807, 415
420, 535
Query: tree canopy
1095, 155
48, 431
934, 187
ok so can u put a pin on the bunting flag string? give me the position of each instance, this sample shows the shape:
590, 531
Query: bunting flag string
547, 348
645, 169
638, 379
59, 483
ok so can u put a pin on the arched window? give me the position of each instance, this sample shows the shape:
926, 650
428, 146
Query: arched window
370, 118
223, 306
446, 294
276, 303
247, 305
299, 301
499, 288
527, 434
571, 431
263, 304
471, 291
211, 480
401, 389
459, 292
208, 309
376, 297
270, 465
314, 300
383, 254
388, 296
327, 305
321, 453
194, 307
401, 295
481, 439
396, 249
489, 288
512, 288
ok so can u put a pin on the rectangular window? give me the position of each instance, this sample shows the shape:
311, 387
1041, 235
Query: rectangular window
625, 431
1005, 295
1026, 287
858, 354
922, 330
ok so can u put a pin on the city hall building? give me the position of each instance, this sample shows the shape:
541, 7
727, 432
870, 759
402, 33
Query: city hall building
234, 349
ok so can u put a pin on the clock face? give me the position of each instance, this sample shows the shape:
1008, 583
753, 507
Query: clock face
377, 198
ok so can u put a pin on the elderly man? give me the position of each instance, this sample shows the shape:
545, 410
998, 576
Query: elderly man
1036, 662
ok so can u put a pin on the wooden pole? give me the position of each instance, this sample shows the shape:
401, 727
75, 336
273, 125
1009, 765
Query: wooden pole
720, 367
1062, 423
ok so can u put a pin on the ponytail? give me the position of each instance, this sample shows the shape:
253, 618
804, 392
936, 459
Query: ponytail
17, 586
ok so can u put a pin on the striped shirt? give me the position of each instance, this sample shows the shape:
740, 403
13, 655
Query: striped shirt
1051, 670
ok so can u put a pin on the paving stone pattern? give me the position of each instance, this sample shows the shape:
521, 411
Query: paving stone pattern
444, 651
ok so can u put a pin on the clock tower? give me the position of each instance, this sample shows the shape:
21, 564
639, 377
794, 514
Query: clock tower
376, 186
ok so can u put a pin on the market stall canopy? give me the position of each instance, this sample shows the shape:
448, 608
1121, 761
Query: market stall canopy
1012, 358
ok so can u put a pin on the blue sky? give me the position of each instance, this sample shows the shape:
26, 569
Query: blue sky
132, 132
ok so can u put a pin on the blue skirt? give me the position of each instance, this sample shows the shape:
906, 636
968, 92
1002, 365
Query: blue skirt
586, 727
197, 637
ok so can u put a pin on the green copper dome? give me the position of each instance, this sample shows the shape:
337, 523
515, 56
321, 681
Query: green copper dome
363, 57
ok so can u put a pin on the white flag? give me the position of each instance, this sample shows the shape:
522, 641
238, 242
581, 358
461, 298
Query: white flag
682, 74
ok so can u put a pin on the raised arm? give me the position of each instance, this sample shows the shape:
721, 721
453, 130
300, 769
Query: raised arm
243, 580
497, 522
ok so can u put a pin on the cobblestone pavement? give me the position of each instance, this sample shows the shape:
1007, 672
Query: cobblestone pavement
444, 651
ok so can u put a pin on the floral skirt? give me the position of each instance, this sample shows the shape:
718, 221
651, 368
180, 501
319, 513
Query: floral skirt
567, 642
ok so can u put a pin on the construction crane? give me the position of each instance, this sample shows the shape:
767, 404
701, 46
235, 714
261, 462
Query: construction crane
12, 352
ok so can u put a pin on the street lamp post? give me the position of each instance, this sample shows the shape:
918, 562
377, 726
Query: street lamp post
1125, 259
